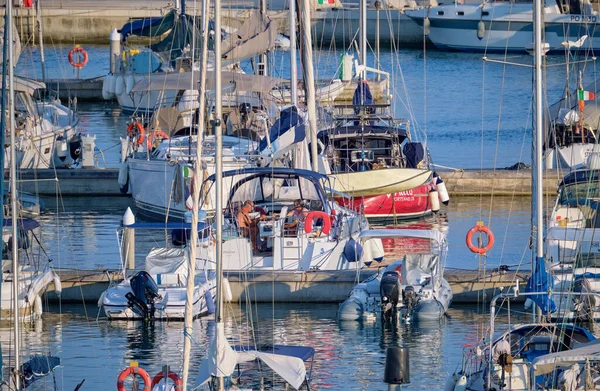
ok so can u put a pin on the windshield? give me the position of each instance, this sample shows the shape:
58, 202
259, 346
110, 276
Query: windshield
581, 193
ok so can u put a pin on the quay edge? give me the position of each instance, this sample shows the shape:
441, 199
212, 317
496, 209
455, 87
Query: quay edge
291, 287
104, 182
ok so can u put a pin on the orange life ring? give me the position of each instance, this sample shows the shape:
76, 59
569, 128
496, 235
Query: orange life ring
135, 371
82, 62
173, 376
155, 134
487, 232
308, 222
137, 128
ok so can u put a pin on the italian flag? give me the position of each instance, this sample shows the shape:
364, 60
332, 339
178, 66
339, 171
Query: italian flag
321, 2
585, 95
188, 172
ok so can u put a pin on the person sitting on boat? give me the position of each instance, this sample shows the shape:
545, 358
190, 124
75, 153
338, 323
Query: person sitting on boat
362, 96
297, 215
243, 122
246, 224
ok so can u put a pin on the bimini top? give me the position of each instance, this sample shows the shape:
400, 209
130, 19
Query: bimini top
275, 172
436, 236
580, 176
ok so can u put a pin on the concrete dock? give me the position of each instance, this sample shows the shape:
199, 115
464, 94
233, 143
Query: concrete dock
468, 286
103, 182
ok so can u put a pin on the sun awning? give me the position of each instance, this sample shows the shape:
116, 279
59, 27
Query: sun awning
548, 362
436, 236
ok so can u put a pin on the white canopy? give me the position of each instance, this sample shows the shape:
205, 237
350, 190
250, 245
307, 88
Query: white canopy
177, 81
222, 362
437, 236
162, 260
548, 362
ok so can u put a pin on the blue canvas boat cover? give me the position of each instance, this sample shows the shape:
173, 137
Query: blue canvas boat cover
37, 367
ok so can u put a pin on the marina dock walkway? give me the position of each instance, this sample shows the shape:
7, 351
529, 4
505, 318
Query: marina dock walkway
468, 286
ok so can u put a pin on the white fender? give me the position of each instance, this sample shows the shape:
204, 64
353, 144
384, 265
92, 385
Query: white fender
442, 191
101, 299
129, 82
106, 93
528, 304
38, 309
57, 285
450, 382
377, 249
123, 174
434, 201
119, 85
480, 30
227, 295
461, 384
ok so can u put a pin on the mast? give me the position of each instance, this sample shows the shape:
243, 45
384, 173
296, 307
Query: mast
537, 139
262, 58
309, 82
38, 11
293, 65
13, 192
189, 317
218, 174
363, 35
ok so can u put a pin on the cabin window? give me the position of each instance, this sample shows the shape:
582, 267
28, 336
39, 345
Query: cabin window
460, 13
485, 13
440, 12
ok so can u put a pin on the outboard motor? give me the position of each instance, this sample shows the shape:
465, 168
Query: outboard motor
145, 294
389, 290
409, 298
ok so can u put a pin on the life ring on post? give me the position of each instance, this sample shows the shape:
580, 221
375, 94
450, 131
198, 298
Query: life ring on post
155, 134
82, 61
490, 238
137, 128
172, 375
308, 222
134, 370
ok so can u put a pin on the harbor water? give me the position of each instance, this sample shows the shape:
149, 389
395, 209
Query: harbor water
472, 118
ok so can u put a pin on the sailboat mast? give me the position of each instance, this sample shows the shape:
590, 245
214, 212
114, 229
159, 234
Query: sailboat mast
263, 69
13, 192
537, 136
309, 82
38, 11
218, 173
189, 316
293, 64
363, 34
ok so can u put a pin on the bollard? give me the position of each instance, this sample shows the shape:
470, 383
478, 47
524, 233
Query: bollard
115, 51
396, 370
128, 249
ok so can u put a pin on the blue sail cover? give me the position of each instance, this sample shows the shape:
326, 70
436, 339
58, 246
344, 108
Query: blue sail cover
540, 282
362, 94
289, 129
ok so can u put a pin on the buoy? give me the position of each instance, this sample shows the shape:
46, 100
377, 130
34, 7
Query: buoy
461, 384
101, 299
434, 201
426, 26
119, 85
480, 30
129, 82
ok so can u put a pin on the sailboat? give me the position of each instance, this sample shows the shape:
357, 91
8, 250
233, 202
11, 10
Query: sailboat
504, 362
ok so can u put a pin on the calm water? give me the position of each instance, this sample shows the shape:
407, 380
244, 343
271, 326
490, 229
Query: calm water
463, 99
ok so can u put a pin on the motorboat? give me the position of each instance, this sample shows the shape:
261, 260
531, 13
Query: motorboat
325, 238
158, 292
573, 246
35, 271
414, 286
498, 26
175, 33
